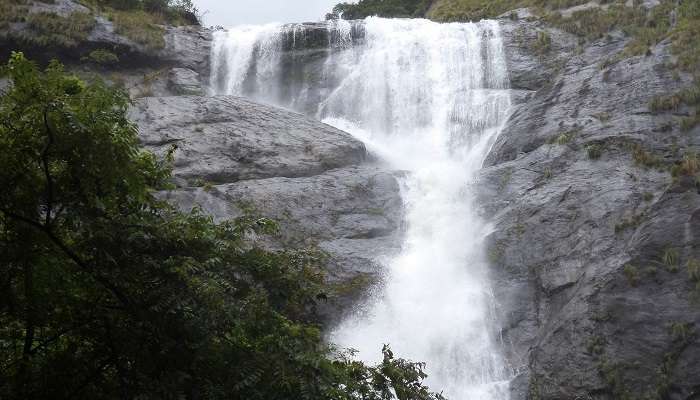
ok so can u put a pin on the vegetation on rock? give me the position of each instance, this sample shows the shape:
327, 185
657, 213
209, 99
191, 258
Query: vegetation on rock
142, 21
382, 8
174, 12
107, 292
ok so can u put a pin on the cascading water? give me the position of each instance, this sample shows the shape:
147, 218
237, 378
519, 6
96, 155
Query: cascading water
429, 99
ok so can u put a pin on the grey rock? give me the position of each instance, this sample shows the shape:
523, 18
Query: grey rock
237, 158
335, 210
61, 7
529, 70
226, 139
587, 307
184, 81
187, 47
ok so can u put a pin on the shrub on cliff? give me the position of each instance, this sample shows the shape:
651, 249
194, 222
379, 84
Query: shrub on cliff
177, 12
107, 292
382, 8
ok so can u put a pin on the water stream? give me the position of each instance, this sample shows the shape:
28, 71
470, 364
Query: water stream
428, 99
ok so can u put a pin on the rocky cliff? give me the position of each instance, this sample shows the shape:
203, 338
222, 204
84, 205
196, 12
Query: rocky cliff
596, 241
591, 190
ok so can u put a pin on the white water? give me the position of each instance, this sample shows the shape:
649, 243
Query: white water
429, 99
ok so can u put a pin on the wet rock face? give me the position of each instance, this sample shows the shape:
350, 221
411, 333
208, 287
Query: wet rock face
592, 240
235, 157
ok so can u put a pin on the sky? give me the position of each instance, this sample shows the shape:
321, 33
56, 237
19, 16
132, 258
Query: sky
229, 13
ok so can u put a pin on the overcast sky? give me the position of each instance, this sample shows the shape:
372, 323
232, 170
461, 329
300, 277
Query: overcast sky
236, 12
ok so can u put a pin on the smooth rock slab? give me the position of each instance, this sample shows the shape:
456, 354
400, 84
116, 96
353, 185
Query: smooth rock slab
226, 139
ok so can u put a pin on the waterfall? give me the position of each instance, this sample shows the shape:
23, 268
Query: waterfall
429, 99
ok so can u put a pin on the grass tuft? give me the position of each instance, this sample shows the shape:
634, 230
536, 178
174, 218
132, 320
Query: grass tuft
141, 27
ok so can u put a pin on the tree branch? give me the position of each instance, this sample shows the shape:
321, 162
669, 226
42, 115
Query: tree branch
75, 258
45, 167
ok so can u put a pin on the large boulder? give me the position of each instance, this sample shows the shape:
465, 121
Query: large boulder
225, 139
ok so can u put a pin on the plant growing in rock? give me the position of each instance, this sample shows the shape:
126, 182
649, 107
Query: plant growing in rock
632, 274
594, 151
542, 44
689, 165
54, 30
644, 158
102, 57
670, 259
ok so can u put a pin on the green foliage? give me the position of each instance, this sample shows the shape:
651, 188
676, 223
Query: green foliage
595, 23
474, 10
102, 57
352, 286
382, 8
108, 292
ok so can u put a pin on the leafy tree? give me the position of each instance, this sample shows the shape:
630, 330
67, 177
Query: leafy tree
382, 8
107, 292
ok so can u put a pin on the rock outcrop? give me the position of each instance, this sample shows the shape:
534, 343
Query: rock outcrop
154, 69
235, 157
595, 241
